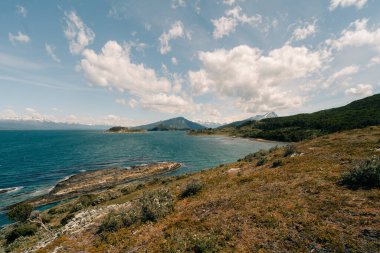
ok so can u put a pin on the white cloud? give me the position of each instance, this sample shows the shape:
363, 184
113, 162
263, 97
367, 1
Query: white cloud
19, 37
258, 82
233, 17
346, 71
50, 51
32, 114
374, 61
113, 68
77, 33
356, 35
229, 2
304, 31
360, 90
346, 3
22, 10
176, 31
178, 3
174, 61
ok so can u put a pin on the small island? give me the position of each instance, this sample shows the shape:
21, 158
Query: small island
124, 130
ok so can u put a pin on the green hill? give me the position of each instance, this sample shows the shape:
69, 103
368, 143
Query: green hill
358, 114
179, 123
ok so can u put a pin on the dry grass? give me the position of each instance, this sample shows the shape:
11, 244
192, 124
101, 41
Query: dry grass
296, 207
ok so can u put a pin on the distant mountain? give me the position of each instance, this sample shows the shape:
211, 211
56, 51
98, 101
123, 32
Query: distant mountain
6, 124
179, 123
254, 118
208, 124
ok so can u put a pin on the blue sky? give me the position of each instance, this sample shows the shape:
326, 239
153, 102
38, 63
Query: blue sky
131, 62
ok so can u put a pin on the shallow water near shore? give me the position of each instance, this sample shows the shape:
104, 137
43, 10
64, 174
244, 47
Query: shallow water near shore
32, 162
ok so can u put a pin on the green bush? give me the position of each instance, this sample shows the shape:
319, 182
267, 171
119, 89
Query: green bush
365, 174
67, 218
192, 188
156, 204
131, 217
258, 155
20, 212
261, 162
111, 223
289, 150
276, 163
25, 229
150, 207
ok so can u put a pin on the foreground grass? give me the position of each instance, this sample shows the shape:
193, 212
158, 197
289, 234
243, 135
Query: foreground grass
252, 206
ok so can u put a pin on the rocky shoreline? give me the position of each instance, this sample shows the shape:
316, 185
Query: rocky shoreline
98, 180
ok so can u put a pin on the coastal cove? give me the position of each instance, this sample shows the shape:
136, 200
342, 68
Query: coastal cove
33, 162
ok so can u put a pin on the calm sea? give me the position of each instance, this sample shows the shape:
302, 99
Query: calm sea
32, 162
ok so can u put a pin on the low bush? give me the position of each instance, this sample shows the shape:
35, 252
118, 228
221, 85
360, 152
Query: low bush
111, 223
25, 229
156, 204
276, 163
192, 188
20, 212
290, 150
261, 161
364, 174
67, 218
150, 207
258, 155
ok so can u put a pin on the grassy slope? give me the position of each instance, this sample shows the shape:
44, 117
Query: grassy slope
297, 207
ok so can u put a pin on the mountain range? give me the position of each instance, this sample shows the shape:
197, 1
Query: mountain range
179, 123
254, 118
10, 124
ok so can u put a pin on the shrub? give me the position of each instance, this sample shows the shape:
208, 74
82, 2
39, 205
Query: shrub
259, 154
25, 229
67, 218
156, 204
289, 150
365, 174
111, 223
20, 212
192, 188
276, 163
273, 149
125, 191
261, 162
130, 217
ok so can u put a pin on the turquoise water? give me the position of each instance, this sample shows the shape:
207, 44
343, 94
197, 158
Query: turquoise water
32, 162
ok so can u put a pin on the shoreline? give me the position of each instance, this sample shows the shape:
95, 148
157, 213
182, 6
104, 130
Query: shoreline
98, 180
240, 137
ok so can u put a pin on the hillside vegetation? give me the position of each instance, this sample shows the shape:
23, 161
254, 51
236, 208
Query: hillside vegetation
318, 195
358, 114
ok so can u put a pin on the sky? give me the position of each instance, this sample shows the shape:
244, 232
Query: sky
138, 61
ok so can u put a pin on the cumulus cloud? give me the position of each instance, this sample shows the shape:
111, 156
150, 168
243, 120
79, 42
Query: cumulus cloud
304, 31
113, 68
346, 3
232, 18
258, 82
174, 61
360, 90
356, 35
178, 3
19, 37
77, 33
346, 71
176, 31
50, 51
229, 2
374, 61
21, 10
